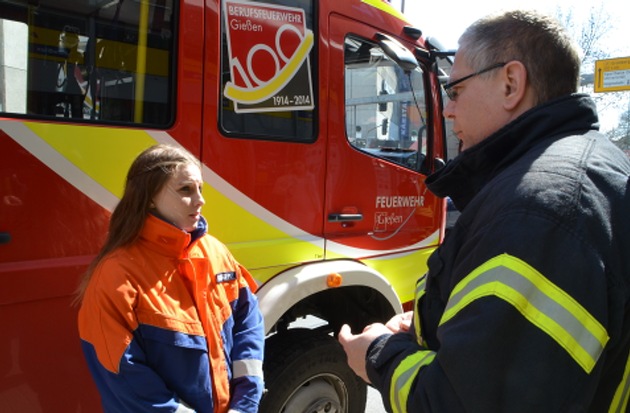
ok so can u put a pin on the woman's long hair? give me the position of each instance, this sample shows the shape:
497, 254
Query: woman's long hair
146, 177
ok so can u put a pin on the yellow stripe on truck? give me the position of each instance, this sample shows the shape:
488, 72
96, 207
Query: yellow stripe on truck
265, 245
104, 154
386, 7
398, 269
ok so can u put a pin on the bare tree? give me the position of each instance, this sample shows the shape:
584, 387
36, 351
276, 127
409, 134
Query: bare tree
590, 33
621, 134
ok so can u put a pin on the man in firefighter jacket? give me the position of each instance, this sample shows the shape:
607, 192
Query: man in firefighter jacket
169, 321
526, 304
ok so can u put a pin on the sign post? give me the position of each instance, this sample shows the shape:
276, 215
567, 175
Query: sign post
612, 75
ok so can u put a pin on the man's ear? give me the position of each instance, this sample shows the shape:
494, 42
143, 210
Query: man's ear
515, 84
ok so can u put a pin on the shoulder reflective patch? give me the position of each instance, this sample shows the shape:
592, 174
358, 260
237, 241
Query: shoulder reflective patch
620, 400
403, 377
541, 302
225, 276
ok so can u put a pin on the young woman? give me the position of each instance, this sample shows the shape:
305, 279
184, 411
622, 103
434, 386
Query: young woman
168, 319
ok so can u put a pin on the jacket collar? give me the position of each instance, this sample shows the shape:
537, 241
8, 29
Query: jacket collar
464, 176
166, 238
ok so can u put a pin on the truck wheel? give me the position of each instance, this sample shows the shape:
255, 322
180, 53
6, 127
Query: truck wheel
307, 372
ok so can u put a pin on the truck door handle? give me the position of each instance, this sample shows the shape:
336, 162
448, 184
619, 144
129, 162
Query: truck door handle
344, 217
5, 238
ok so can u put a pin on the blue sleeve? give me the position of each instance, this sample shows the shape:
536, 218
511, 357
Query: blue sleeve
248, 337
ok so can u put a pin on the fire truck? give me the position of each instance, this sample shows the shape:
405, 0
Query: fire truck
316, 123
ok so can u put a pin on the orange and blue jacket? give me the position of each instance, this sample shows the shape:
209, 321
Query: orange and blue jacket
171, 324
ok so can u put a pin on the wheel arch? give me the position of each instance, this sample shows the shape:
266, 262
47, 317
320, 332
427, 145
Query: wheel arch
362, 295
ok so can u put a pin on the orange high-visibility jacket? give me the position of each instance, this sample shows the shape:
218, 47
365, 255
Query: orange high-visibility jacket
171, 323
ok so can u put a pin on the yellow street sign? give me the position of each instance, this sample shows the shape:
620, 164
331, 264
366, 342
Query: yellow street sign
612, 75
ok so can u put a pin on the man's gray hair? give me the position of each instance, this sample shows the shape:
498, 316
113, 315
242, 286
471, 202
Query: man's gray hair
538, 41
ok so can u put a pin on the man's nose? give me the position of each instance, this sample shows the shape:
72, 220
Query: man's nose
448, 109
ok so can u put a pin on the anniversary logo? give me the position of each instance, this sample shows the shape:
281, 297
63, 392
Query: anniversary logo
269, 49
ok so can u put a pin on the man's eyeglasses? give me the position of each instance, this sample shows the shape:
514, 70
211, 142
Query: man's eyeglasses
452, 94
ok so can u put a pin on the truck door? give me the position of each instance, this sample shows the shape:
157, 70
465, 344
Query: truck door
267, 161
377, 205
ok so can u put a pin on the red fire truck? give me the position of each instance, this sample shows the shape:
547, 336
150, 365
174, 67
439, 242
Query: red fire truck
316, 121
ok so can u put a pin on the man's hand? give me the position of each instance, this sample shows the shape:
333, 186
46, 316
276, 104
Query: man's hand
356, 346
400, 322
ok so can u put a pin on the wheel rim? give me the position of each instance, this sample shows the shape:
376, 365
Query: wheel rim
320, 394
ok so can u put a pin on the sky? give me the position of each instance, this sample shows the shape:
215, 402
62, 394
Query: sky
447, 20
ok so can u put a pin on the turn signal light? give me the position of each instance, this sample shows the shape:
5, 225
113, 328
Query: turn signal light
334, 280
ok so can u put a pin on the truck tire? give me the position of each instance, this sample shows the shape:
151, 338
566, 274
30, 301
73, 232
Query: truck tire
307, 372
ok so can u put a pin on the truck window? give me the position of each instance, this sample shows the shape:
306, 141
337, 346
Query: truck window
287, 114
88, 61
383, 118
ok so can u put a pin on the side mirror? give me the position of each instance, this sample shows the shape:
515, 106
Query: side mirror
397, 52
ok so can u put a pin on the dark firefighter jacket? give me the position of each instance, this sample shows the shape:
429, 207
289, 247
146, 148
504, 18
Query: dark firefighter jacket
526, 304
